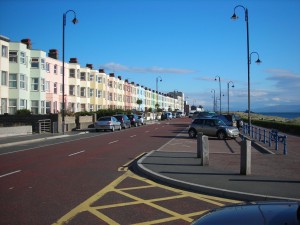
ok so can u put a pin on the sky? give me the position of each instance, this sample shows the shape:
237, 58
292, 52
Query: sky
186, 43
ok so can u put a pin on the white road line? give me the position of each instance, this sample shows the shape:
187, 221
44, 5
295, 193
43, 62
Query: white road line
133, 136
7, 174
113, 142
147, 131
77, 153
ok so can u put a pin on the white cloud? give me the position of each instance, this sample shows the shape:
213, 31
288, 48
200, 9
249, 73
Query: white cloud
116, 67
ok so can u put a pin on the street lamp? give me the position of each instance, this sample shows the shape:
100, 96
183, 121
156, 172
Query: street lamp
220, 91
157, 79
234, 17
74, 21
228, 92
214, 103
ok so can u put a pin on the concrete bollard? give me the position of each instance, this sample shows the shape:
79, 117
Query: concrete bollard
245, 158
203, 149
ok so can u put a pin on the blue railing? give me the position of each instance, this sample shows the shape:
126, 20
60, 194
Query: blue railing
266, 136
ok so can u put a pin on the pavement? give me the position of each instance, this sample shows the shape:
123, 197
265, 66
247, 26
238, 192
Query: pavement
274, 176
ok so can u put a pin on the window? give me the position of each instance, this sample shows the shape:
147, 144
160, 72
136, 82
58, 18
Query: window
91, 92
48, 107
12, 106
55, 88
4, 78
42, 84
47, 67
99, 80
43, 64
110, 84
13, 56
72, 73
22, 57
35, 107
4, 51
34, 84
82, 92
23, 104
3, 105
42, 107
22, 81
47, 88
78, 90
72, 90
91, 77
55, 69
34, 62
82, 76
12, 80
99, 93
91, 107
110, 96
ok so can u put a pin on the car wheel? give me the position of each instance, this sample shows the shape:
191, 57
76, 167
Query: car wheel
120, 128
221, 135
97, 130
192, 133
112, 129
135, 124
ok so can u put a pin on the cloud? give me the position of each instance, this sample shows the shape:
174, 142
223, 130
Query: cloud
116, 67
284, 79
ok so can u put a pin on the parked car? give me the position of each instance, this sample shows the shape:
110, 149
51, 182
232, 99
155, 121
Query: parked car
258, 213
212, 127
166, 116
124, 120
237, 118
107, 123
134, 119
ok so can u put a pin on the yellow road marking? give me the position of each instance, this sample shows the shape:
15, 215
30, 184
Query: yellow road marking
125, 166
88, 205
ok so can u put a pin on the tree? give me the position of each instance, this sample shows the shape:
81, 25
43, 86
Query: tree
139, 102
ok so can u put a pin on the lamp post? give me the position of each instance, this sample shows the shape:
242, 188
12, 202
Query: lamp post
228, 93
174, 99
220, 91
214, 103
234, 17
157, 79
74, 21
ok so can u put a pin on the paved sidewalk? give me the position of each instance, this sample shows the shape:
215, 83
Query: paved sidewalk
273, 176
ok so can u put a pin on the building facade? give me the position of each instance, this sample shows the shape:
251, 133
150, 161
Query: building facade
32, 79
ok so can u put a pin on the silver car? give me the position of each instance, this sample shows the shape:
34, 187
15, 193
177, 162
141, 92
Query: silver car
212, 127
107, 123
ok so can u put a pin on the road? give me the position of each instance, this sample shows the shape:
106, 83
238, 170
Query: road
84, 180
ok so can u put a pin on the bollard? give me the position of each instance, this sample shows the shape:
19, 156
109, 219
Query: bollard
270, 139
264, 136
204, 151
284, 145
245, 168
199, 144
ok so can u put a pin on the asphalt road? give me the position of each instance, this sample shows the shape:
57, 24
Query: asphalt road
62, 181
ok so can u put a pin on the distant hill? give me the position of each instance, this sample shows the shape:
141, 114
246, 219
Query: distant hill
278, 108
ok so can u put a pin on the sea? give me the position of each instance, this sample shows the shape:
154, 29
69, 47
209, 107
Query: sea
287, 115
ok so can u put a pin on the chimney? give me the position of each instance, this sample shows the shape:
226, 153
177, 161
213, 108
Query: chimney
120, 78
53, 53
27, 42
101, 71
111, 75
89, 66
132, 83
126, 80
73, 60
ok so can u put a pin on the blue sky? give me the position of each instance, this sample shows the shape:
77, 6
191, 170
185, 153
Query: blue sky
185, 42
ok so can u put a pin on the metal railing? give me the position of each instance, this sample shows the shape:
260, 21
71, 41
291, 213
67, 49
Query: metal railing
44, 126
266, 136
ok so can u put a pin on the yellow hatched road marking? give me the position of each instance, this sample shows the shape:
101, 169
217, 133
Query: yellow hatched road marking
87, 206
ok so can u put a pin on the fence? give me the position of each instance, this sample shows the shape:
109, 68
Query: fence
266, 136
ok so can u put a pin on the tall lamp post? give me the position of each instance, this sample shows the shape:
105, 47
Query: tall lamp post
230, 82
214, 103
234, 17
74, 21
220, 91
157, 79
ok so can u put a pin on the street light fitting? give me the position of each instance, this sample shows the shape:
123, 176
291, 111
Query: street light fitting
234, 17
75, 20
258, 61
